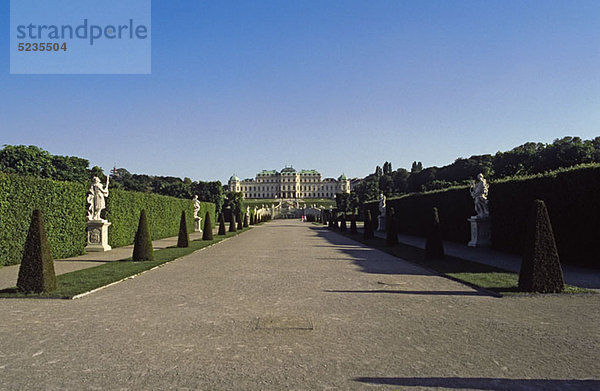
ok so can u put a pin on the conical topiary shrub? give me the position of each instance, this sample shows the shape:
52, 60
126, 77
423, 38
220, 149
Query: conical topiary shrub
353, 229
142, 246
434, 247
245, 220
232, 227
391, 234
207, 233
184, 239
251, 219
540, 269
221, 224
36, 273
368, 230
343, 226
240, 221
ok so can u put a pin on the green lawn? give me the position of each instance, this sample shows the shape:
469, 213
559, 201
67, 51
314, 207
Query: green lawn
478, 275
85, 280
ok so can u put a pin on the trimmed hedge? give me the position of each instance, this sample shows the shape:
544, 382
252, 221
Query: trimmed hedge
572, 197
123, 208
63, 205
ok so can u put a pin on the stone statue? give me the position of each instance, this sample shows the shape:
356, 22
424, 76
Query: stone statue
382, 200
479, 192
248, 211
381, 217
96, 198
196, 206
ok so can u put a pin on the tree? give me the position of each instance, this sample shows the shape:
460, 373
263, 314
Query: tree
343, 226
207, 233
183, 239
221, 224
142, 246
36, 273
70, 168
416, 167
434, 247
387, 168
378, 171
540, 269
26, 160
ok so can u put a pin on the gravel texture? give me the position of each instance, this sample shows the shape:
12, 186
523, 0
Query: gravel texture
293, 306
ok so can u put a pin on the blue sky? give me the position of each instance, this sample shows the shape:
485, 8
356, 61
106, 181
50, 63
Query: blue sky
339, 86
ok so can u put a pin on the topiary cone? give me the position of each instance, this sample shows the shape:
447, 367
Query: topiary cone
221, 224
184, 239
343, 226
240, 221
368, 230
540, 269
353, 229
251, 219
142, 246
391, 237
232, 227
36, 273
207, 233
434, 248
245, 220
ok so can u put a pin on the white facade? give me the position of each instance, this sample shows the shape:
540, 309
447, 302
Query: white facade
290, 183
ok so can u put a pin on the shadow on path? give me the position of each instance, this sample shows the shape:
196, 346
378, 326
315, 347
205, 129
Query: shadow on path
432, 293
369, 259
484, 383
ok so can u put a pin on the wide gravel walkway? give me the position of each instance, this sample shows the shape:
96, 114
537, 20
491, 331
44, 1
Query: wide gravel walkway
293, 306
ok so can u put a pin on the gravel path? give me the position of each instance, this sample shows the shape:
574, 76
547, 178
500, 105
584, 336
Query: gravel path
292, 306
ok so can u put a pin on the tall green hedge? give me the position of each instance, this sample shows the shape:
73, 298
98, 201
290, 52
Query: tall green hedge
123, 211
64, 208
413, 212
572, 197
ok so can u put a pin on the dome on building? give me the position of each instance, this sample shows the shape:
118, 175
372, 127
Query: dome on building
288, 170
342, 178
234, 178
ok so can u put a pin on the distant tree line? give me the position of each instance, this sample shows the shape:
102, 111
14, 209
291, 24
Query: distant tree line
527, 159
34, 161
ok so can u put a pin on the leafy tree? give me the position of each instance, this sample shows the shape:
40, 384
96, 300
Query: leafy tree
387, 168
26, 160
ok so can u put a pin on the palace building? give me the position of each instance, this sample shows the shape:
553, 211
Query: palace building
290, 183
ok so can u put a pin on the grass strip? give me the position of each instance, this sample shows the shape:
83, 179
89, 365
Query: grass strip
477, 275
84, 280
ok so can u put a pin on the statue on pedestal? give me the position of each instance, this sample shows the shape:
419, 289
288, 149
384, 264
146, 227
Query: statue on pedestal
96, 198
480, 224
196, 206
479, 192
381, 217
97, 227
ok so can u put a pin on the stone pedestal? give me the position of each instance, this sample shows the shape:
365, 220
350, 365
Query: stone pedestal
481, 233
381, 223
97, 236
198, 224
